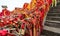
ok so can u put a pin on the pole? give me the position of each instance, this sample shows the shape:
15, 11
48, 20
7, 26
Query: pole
34, 30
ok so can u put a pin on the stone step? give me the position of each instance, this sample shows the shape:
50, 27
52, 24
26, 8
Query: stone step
57, 7
55, 10
49, 33
57, 15
52, 29
56, 25
51, 21
54, 13
53, 18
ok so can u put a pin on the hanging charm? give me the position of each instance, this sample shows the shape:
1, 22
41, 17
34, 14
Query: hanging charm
54, 3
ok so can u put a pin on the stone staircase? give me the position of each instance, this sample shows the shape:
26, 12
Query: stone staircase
52, 22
